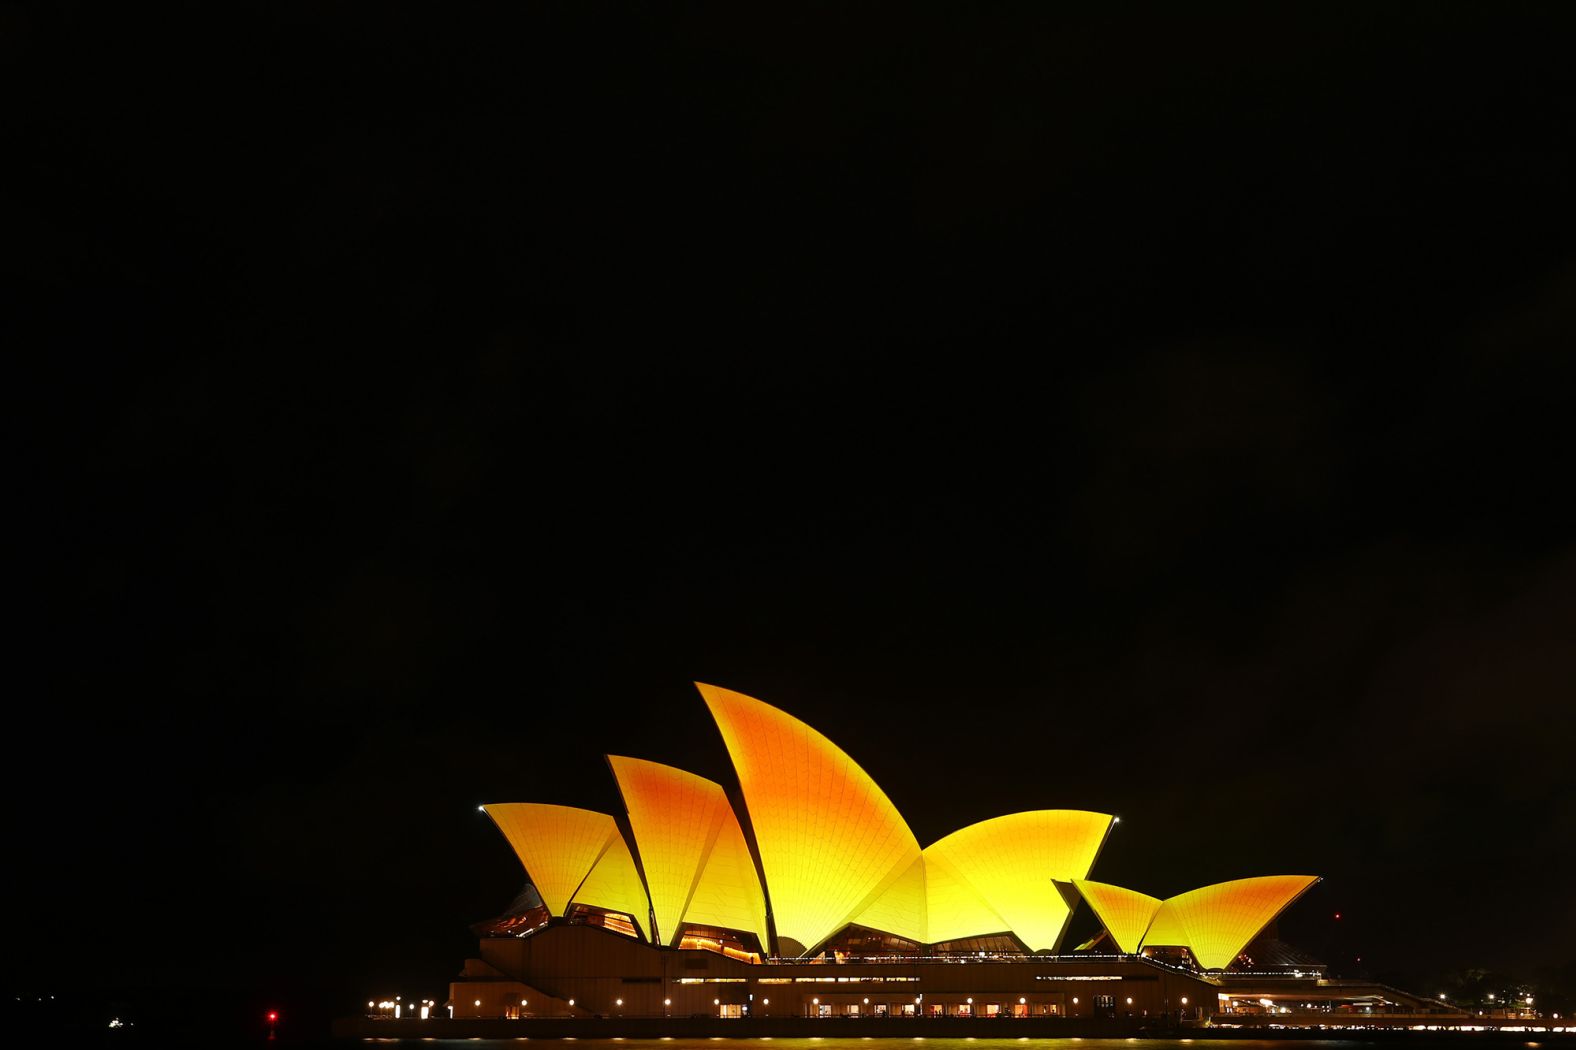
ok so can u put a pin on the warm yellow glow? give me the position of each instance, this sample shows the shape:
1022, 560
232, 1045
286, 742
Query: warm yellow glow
697, 866
835, 850
1217, 922
1009, 862
901, 908
1166, 928
953, 907
614, 884
573, 856
830, 841
674, 826
729, 891
1125, 914
557, 845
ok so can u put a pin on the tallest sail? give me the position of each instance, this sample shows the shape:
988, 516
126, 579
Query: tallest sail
829, 839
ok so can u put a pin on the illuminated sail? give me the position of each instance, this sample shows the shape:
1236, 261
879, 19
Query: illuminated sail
557, 845
954, 908
900, 909
830, 841
572, 856
1217, 922
692, 851
614, 884
1125, 914
1010, 863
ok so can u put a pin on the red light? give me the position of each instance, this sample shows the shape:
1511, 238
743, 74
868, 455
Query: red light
1337, 915
273, 1015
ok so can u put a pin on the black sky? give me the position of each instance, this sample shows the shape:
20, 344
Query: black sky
1152, 410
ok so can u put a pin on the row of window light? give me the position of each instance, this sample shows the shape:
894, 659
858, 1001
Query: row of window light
718, 1002
920, 998
422, 1009
768, 1002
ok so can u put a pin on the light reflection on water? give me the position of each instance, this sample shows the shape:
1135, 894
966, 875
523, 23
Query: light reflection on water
931, 1043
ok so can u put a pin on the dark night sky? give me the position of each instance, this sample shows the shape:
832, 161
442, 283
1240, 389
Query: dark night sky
1158, 411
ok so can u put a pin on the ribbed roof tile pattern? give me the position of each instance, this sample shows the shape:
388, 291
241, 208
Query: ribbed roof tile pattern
614, 884
954, 907
1011, 861
557, 845
1166, 928
1125, 914
830, 841
900, 909
729, 892
1217, 922
691, 848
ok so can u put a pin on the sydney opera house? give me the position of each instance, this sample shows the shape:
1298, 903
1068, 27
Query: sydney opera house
804, 894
